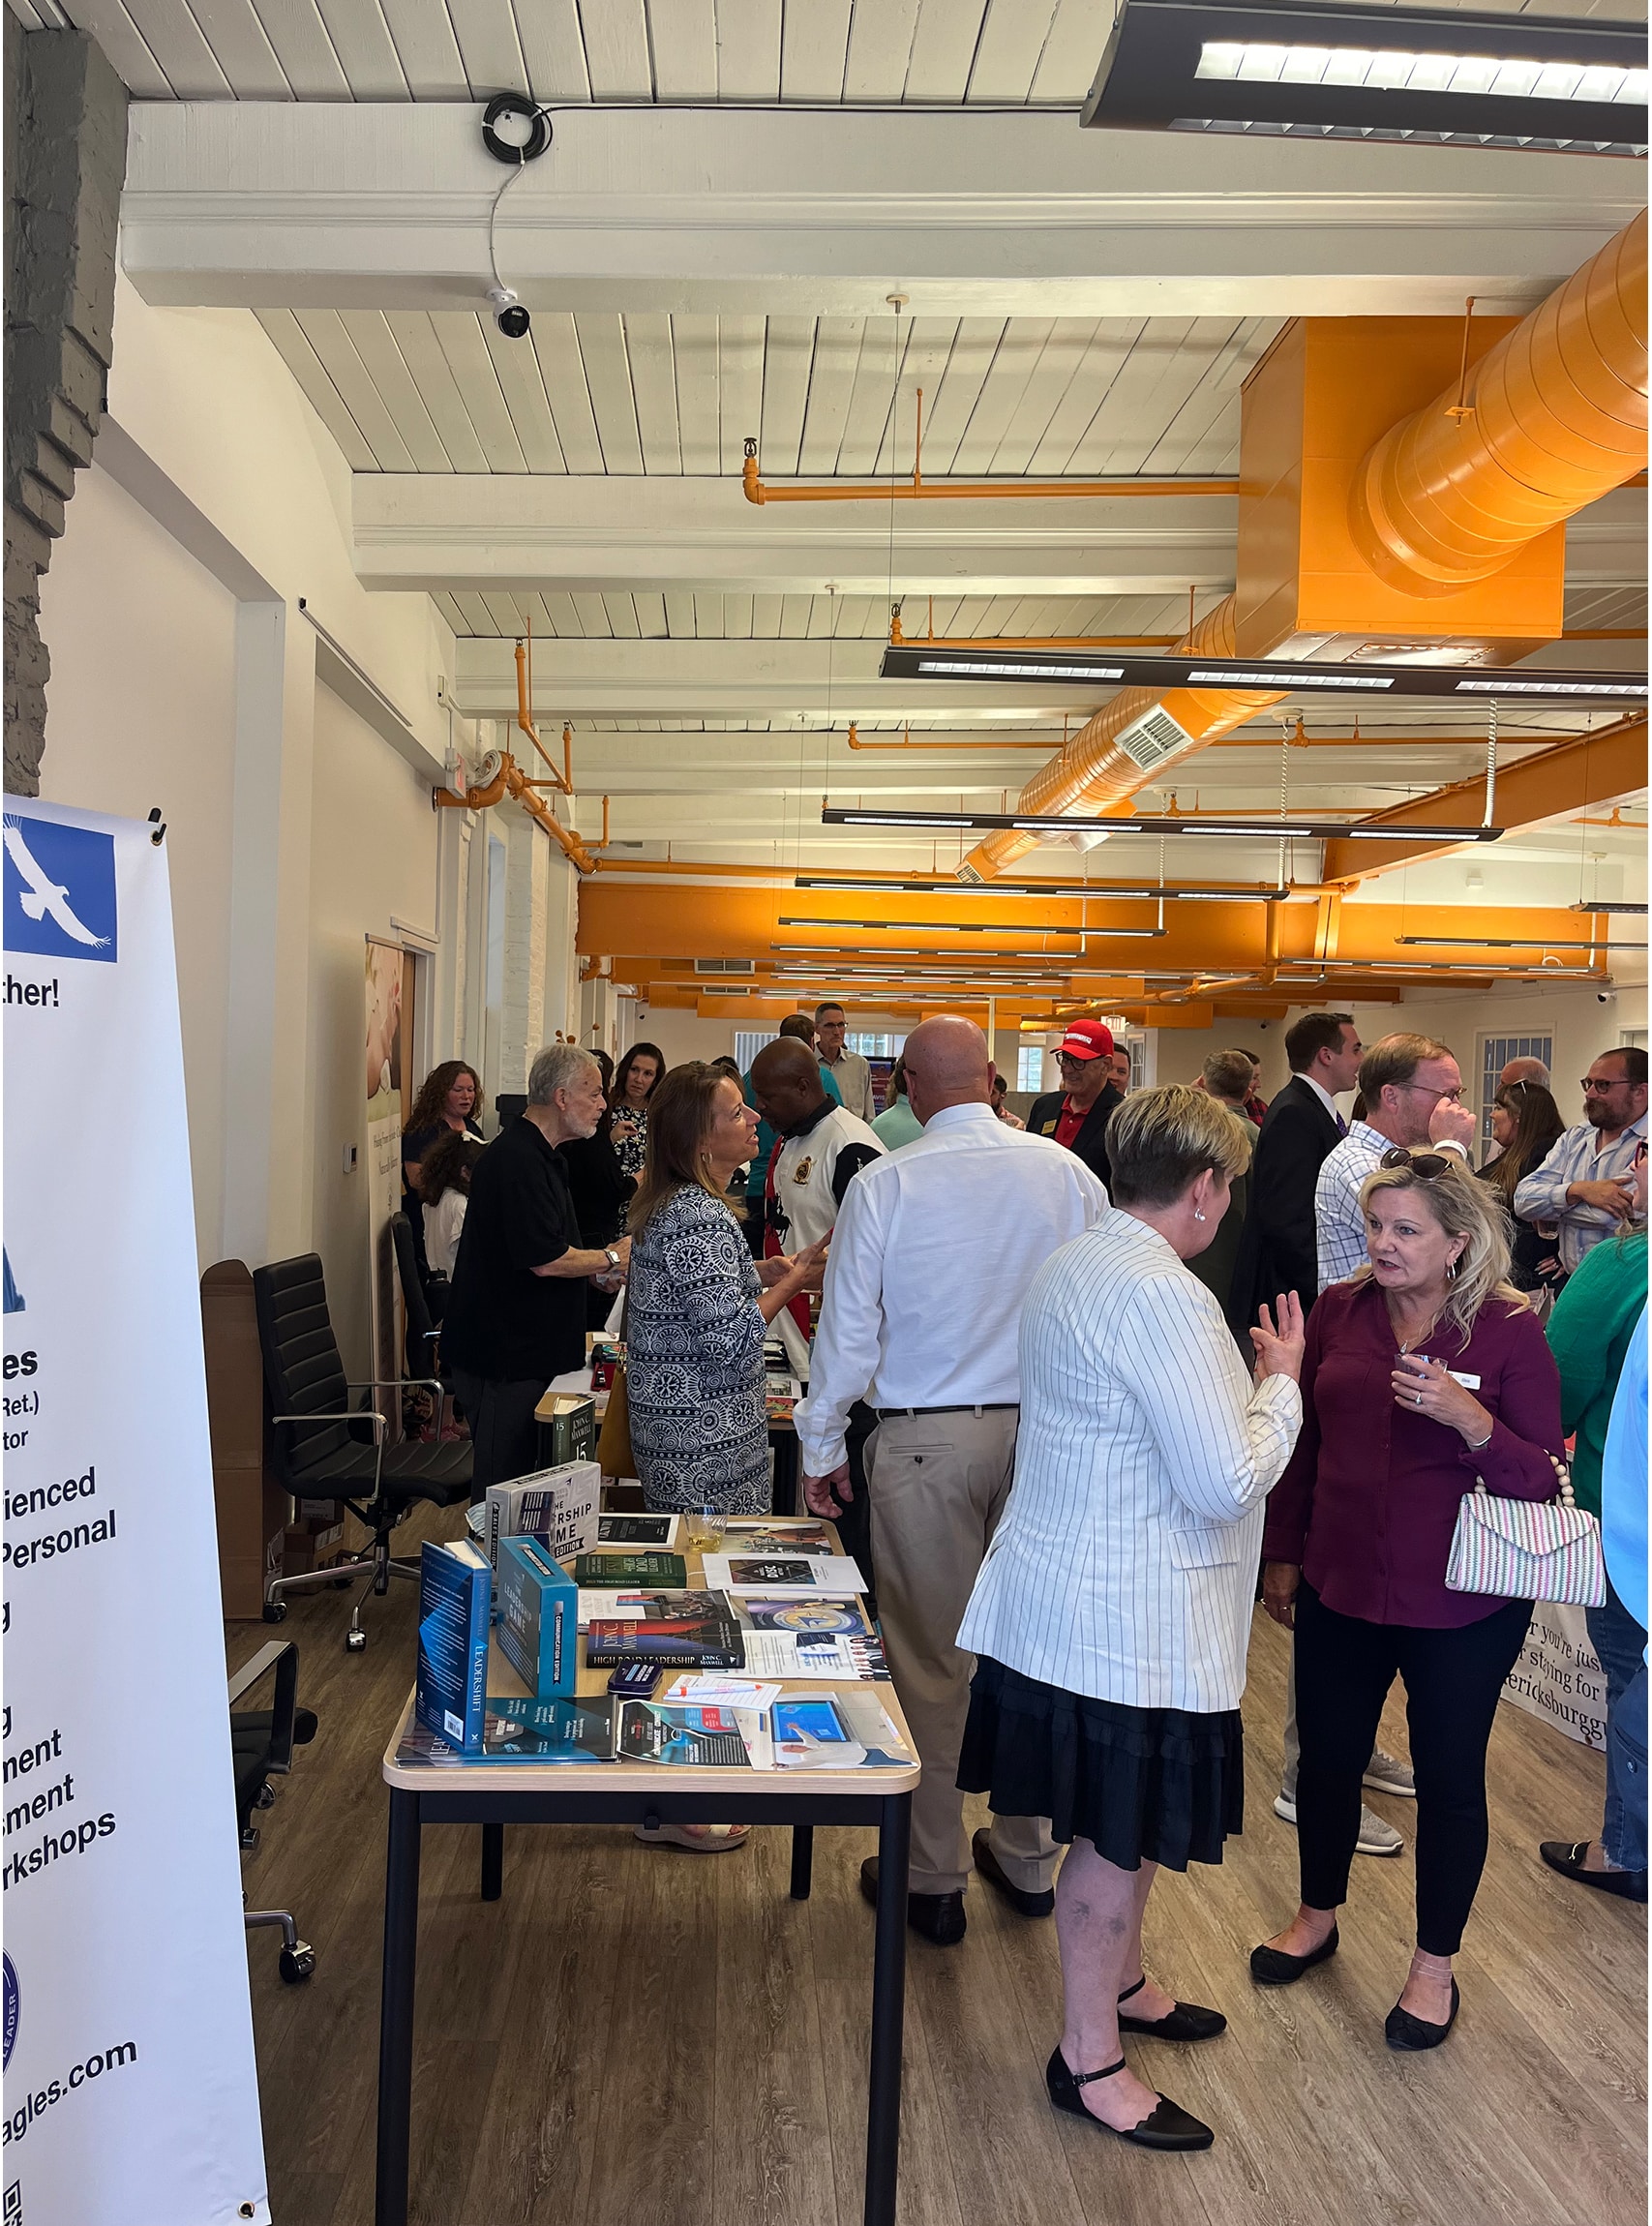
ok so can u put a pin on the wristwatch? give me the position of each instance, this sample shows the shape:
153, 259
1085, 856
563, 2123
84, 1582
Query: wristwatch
611, 1256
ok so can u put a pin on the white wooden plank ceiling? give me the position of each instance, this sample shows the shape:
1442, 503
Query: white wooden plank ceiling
411, 390
1041, 53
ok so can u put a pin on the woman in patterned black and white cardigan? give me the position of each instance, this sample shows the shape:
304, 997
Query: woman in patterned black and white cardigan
697, 1305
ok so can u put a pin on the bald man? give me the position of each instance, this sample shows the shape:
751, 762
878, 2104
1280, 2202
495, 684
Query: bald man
931, 1258
822, 1145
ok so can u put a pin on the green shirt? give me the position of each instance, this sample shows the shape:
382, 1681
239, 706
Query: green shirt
897, 1125
1589, 1331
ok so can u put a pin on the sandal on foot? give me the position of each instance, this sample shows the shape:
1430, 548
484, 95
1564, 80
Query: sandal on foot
1165, 2126
698, 1839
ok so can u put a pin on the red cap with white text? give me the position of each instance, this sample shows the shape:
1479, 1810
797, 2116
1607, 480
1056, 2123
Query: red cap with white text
1086, 1039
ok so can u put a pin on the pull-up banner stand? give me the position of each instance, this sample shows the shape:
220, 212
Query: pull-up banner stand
131, 2091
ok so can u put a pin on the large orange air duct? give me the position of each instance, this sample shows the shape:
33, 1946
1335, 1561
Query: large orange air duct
1553, 417
1094, 771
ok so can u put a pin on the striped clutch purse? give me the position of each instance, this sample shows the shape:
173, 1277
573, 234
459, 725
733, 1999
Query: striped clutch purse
1528, 1549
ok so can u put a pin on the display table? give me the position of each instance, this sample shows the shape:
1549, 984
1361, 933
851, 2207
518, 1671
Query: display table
493, 1794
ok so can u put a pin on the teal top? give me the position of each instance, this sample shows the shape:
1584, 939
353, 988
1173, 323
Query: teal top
897, 1125
1589, 1331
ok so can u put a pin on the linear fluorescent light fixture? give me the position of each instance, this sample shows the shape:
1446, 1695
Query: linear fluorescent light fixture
1514, 943
1596, 905
1096, 892
1056, 823
1439, 77
908, 661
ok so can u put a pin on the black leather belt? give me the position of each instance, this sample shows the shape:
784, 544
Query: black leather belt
987, 1406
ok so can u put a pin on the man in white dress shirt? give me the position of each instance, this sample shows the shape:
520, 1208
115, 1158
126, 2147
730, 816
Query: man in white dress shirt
933, 1253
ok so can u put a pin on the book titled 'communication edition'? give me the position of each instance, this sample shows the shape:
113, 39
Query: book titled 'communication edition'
456, 1599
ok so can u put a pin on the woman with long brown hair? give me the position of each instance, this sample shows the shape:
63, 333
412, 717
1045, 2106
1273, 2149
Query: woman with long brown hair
635, 1078
697, 1305
1525, 1121
446, 1105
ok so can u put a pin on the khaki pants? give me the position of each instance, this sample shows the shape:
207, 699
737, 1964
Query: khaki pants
937, 1484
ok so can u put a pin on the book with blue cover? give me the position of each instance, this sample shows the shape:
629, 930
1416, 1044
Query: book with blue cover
456, 1601
538, 1604
523, 1731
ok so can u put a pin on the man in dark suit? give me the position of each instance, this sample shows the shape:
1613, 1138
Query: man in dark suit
1277, 1251
1077, 1114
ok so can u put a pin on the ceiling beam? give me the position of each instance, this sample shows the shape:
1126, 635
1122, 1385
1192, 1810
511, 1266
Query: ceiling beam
263, 205
518, 534
1602, 768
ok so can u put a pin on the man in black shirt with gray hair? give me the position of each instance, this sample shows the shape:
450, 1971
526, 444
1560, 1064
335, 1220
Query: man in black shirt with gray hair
516, 1314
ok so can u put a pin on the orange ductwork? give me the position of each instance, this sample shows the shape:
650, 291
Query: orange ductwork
1093, 771
510, 781
1553, 417
1550, 419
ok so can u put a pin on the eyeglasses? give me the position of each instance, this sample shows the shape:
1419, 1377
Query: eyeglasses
1427, 1164
1452, 1096
1593, 1088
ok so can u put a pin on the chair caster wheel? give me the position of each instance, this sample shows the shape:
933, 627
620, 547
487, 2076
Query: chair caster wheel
266, 1798
297, 1963
355, 1641
275, 1611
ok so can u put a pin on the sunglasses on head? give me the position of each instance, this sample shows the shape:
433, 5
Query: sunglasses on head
1427, 1164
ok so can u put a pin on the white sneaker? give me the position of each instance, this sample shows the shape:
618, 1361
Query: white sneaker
1387, 1774
1377, 1838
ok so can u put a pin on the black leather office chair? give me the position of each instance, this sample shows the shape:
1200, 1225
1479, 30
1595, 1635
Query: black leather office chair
321, 1448
422, 1358
261, 1743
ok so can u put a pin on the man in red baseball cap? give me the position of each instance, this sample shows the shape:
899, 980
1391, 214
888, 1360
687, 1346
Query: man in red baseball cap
1077, 1114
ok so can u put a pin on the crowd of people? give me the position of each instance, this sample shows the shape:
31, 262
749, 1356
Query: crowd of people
1081, 1391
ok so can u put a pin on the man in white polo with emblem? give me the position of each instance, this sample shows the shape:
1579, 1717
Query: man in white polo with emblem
822, 1145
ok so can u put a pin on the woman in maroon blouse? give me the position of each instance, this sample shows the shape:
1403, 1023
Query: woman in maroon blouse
1426, 1369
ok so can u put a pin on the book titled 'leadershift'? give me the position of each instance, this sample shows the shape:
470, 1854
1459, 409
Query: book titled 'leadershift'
456, 1599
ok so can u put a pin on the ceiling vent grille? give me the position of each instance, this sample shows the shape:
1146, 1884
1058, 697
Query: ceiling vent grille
705, 966
1153, 738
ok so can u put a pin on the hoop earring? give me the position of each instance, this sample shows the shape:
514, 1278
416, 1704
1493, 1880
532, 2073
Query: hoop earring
1453, 1268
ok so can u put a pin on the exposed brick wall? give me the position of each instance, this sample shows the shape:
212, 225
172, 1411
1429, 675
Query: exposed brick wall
65, 139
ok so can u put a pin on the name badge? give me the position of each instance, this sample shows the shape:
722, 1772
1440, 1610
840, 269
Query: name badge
1468, 1382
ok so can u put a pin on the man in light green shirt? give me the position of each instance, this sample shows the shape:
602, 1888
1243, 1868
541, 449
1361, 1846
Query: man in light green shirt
897, 1123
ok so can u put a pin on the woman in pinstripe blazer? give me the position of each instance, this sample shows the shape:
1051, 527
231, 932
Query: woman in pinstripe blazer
1112, 1613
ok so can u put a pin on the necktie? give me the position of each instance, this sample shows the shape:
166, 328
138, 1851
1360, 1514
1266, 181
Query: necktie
1341, 1126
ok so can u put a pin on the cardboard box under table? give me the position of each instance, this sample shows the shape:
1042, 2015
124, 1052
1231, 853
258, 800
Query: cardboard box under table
493, 1794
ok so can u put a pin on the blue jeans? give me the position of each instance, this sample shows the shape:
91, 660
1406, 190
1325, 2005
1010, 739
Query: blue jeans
1621, 1646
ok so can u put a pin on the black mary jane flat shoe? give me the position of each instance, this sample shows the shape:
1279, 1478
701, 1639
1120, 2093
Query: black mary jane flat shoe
1185, 2022
1272, 1967
1165, 2126
1401, 2031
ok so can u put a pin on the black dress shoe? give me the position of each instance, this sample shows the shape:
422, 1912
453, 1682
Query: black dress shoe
1400, 2030
1168, 2125
1272, 1967
1024, 1903
1185, 2022
938, 1917
1567, 1857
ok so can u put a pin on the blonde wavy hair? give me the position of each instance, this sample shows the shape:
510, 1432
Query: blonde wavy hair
1463, 1207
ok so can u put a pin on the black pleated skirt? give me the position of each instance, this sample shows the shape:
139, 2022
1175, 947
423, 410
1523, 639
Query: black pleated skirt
1142, 1785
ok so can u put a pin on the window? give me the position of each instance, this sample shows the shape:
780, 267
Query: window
1030, 1068
873, 1044
1495, 1053
748, 1042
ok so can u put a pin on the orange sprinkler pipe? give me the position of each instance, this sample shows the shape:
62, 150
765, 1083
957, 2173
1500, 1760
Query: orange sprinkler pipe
1094, 772
510, 781
1553, 417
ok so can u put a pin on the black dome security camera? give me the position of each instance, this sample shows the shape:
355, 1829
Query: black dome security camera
512, 319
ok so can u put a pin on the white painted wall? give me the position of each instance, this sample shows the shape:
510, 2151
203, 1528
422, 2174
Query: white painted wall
140, 711
373, 858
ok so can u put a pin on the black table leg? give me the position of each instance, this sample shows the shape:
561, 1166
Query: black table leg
396, 2009
493, 1861
802, 1860
888, 2005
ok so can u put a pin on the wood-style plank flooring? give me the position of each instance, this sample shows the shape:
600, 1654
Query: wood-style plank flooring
638, 2037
